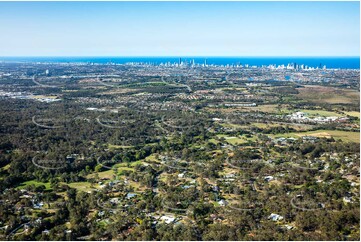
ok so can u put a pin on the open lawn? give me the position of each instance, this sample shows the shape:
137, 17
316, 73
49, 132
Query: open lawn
266, 125
35, 183
267, 108
233, 140
214, 141
269, 125
271, 108
345, 136
82, 186
233, 126
336, 134
322, 113
298, 127
103, 174
123, 168
151, 158
353, 114
322, 94
44, 96
131, 164
109, 174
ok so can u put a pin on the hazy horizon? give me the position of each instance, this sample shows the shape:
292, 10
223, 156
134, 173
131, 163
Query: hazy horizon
176, 56
132, 29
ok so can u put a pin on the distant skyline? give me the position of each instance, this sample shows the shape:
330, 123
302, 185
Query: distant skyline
180, 29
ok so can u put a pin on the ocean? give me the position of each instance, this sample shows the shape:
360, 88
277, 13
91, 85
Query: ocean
330, 62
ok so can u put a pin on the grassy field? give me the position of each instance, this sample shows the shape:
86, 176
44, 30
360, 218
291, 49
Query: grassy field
35, 183
233, 126
123, 168
264, 125
268, 108
258, 125
103, 174
271, 108
131, 164
321, 94
109, 174
214, 141
322, 113
114, 147
232, 140
354, 114
152, 158
235, 140
300, 127
82, 186
336, 134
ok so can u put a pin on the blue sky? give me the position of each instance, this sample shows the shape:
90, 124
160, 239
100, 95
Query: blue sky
179, 28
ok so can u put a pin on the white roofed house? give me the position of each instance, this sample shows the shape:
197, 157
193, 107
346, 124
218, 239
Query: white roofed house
275, 217
347, 199
222, 203
167, 219
268, 178
181, 175
299, 114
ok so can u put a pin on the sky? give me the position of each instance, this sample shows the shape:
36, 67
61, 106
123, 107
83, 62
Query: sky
179, 28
